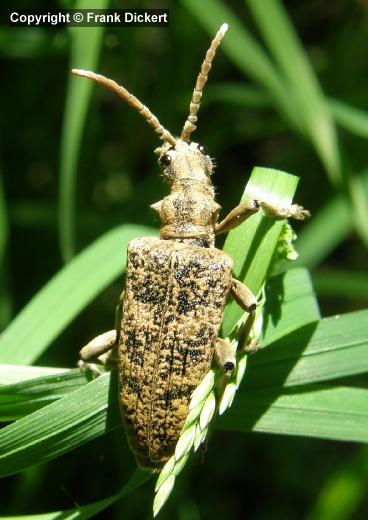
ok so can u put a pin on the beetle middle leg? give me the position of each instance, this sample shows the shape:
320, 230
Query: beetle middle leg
225, 356
247, 301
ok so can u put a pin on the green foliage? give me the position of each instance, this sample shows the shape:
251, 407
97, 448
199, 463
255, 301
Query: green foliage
270, 100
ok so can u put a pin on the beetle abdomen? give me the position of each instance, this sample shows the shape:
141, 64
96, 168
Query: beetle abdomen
172, 311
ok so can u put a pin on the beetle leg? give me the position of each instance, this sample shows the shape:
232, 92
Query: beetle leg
98, 346
237, 216
102, 348
294, 211
225, 356
247, 301
248, 208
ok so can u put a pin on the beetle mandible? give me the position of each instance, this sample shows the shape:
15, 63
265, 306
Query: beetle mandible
176, 288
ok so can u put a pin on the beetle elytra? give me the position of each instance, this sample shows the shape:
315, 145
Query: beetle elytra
175, 290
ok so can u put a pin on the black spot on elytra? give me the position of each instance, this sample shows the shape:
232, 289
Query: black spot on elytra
132, 385
184, 305
147, 292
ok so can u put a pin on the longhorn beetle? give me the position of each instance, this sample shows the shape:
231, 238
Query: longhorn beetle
176, 287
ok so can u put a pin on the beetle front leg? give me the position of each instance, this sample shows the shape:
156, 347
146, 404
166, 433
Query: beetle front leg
245, 210
237, 216
294, 211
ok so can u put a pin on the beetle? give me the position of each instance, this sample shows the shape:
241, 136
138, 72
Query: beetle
176, 287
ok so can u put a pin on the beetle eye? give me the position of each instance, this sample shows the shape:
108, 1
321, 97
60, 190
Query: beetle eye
202, 149
165, 160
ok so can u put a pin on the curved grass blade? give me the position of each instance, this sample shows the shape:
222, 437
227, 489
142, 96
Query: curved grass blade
336, 413
20, 399
92, 410
332, 348
59, 427
65, 295
246, 53
300, 81
137, 479
343, 284
344, 491
325, 231
350, 118
290, 305
5, 297
85, 48
12, 374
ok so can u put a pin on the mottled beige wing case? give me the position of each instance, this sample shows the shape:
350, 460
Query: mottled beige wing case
172, 311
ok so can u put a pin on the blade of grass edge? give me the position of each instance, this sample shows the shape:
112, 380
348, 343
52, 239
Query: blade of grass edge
85, 49
66, 294
282, 41
92, 410
137, 479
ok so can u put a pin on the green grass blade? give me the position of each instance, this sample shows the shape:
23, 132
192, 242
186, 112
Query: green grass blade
252, 244
20, 399
65, 295
242, 95
300, 81
12, 374
59, 427
244, 51
343, 284
5, 298
358, 192
337, 413
3, 222
350, 118
93, 410
85, 48
332, 348
137, 479
344, 490
324, 232
298, 306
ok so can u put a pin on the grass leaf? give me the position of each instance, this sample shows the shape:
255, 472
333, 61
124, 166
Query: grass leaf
337, 413
246, 53
22, 398
59, 427
85, 48
300, 81
332, 348
343, 284
65, 295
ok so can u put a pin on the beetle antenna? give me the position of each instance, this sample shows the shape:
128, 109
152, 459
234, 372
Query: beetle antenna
190, 123
131, 100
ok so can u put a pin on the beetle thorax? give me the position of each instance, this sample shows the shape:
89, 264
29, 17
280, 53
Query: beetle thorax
190, 211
